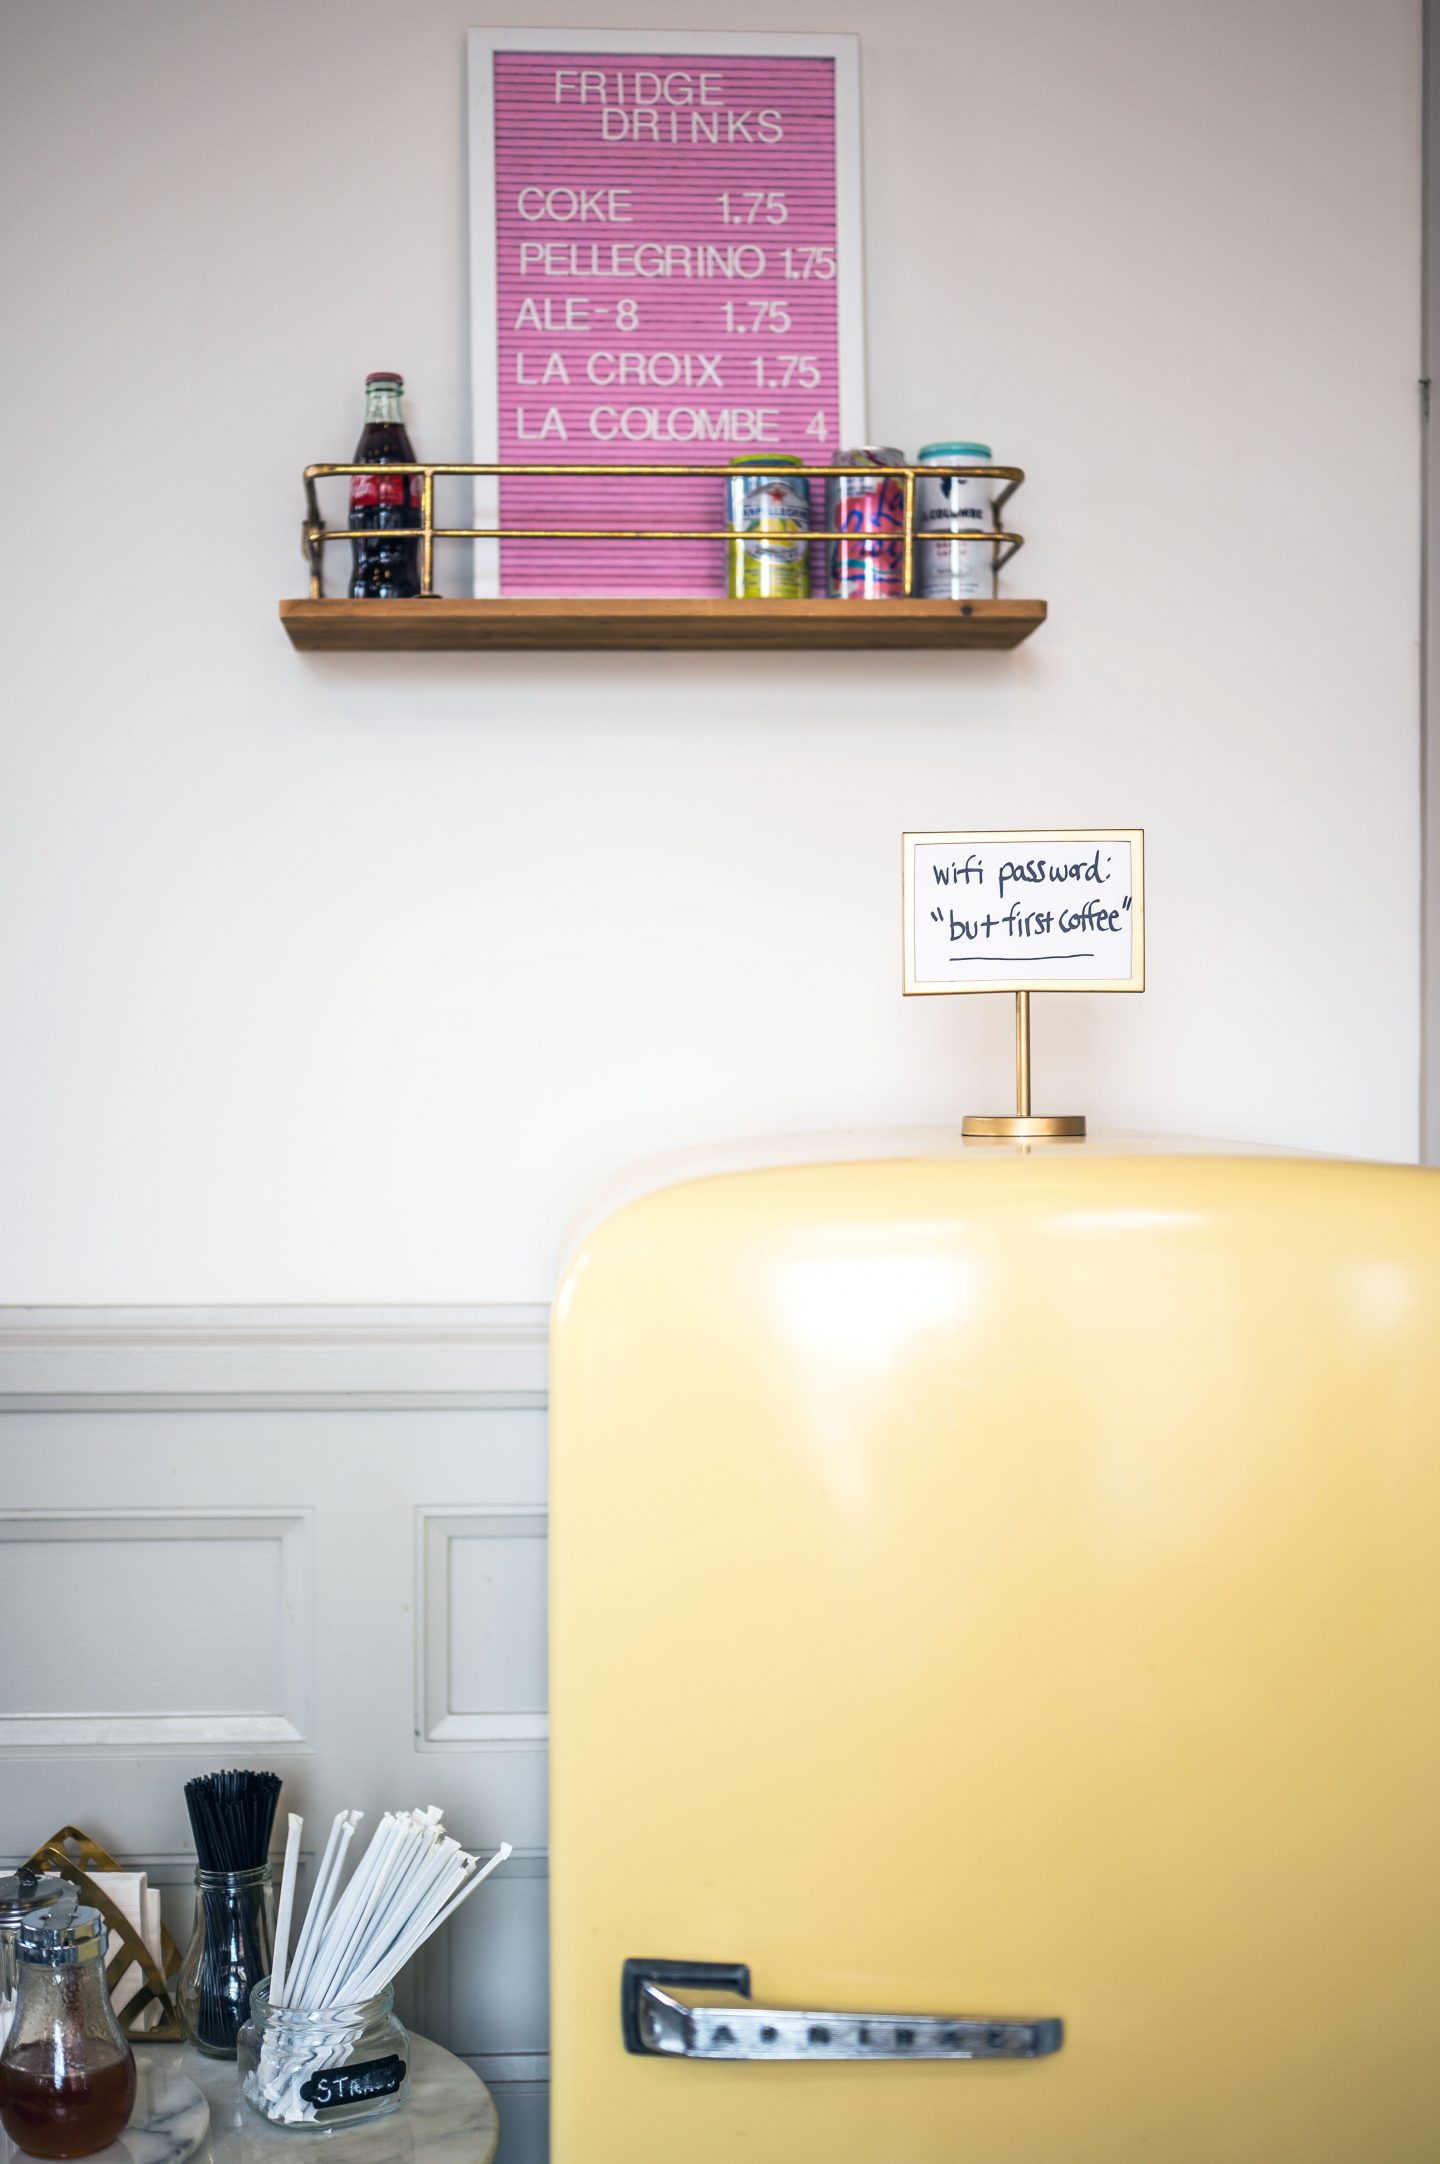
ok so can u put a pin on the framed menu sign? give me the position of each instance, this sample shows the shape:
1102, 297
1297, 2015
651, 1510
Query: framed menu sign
665, 269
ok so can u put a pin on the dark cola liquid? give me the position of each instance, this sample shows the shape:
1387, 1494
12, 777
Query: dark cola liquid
63, 2115
384, 570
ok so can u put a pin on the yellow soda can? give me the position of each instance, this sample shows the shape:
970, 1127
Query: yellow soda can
769, 515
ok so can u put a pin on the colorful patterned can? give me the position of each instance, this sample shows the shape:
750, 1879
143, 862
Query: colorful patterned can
947, 504
769, 500
871, 507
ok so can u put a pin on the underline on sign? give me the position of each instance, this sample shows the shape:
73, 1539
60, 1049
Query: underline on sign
1086, 954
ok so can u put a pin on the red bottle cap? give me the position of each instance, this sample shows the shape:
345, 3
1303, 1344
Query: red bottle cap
386, 375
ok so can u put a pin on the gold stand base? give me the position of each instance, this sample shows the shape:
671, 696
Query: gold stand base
1022, 1125
1018, 1127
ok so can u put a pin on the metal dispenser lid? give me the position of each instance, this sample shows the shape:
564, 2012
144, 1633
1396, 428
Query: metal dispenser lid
61, 1936
24, 1890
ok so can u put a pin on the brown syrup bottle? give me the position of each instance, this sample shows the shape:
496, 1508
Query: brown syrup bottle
67, 2075
50, 2114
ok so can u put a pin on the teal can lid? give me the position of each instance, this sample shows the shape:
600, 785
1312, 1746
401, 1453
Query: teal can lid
956, 452
774, 458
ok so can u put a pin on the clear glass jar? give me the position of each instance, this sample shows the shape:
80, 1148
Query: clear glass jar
67, 2075
325, 2069
230, 1950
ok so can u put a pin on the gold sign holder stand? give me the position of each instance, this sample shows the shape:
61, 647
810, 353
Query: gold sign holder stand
1022, 1125
933, 861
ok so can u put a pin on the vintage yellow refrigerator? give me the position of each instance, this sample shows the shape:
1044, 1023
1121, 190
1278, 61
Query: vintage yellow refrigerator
996, 1667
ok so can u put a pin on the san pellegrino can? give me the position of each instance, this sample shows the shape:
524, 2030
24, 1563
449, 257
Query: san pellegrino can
946, 505
769, 515
868, 510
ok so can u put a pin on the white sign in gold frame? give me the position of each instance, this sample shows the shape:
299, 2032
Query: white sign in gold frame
1035, 910
1031, 910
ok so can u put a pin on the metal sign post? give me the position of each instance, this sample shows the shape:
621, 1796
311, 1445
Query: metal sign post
1022, 1123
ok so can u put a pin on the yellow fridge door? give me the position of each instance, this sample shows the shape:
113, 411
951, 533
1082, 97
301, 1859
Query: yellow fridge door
1001, 1590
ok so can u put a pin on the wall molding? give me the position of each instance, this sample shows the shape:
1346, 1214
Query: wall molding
439, 1724
82, 1728
506, 2069
313, 1356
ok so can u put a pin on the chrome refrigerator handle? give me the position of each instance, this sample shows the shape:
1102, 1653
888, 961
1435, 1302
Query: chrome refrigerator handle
656, 2024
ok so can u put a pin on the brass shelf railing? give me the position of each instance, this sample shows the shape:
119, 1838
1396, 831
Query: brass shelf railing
316, 534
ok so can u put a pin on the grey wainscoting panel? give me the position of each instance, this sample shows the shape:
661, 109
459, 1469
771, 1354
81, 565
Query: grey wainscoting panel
491, 1997
245, 1538
73, 1684
481, 1603
524, 2108
483, 1979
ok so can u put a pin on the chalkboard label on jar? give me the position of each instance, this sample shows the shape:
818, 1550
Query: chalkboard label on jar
353, 2084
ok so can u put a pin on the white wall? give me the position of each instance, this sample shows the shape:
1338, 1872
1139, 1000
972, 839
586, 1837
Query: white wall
288, 1012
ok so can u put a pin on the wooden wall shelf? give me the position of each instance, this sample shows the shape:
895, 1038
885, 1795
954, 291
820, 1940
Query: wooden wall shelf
694, 626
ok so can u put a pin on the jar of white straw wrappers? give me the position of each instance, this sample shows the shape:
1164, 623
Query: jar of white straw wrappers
322, 2069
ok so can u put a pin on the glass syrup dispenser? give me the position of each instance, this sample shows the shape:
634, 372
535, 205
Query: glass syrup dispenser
67, 2075
21, 1893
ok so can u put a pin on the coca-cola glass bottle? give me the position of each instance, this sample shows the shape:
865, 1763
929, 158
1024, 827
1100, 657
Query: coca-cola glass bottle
385, 569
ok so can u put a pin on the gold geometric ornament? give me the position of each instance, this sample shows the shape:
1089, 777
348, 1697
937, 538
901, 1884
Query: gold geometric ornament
74, 1855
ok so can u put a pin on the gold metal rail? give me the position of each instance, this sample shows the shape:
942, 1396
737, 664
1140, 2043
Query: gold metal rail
315, 534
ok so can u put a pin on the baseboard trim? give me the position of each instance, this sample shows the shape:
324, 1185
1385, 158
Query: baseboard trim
506, 2069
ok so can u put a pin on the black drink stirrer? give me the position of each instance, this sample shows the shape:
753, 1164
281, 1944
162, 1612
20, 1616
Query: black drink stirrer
231, 1815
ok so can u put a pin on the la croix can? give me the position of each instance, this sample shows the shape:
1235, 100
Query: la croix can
868, 510
946, 505
769, 513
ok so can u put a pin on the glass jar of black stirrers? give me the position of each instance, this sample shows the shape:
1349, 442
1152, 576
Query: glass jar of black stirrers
234, 1937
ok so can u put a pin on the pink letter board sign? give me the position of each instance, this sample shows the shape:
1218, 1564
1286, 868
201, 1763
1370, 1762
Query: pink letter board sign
665, 269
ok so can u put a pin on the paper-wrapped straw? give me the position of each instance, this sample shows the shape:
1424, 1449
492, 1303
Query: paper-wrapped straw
287, 1906
347, 1928
395, 1892
408, 1881
390, 1967
322, 1900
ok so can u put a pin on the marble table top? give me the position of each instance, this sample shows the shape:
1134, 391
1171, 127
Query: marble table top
448, 2117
